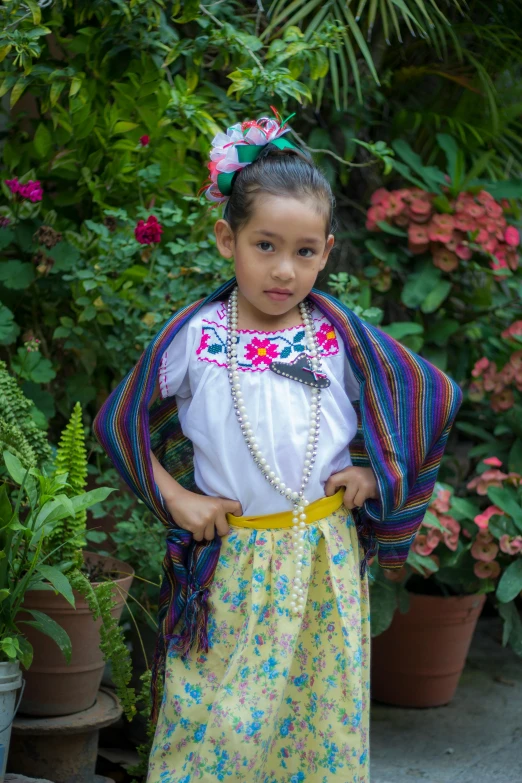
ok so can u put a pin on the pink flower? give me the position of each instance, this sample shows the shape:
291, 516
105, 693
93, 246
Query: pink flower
493, 461
514, 330
485, 570
32, 190
327, 338
490, 478
482, 519
479, 367
441, 504
502, 401
381, 196
451, 537
205, 337
148, 232
484, 551
421, 545
420, 209
510, 546
144, 140
261, 351
511, 236
463, 252
375, 215
444, 259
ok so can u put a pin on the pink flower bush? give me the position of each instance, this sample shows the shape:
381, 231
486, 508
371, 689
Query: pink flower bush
476, 224
500, 384
149, 231
32, 190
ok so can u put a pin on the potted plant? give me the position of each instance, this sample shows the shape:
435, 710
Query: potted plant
460, 554
99, 588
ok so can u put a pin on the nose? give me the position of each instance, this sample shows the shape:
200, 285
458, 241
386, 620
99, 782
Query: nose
284, 270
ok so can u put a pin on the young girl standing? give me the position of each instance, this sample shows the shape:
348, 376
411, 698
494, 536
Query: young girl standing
314, 438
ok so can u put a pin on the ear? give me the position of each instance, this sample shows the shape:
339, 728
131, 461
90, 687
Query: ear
224, 238
327, 248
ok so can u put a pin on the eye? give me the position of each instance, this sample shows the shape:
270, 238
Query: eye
265, 246
306, 250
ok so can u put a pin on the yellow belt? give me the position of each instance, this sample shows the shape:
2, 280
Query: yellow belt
317, 510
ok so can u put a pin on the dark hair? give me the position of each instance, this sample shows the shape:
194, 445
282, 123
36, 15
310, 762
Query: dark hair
278, 172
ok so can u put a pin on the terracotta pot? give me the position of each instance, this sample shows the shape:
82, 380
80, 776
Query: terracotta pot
52, 686
418, 661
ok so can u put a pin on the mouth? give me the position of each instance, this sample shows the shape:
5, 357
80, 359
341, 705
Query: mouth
279, 294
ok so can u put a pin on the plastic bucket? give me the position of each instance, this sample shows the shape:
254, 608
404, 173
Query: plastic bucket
9, 672
7, 713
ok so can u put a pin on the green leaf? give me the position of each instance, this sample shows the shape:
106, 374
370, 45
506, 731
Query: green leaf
506, 499
510, 584
35, 10
14, 467
436, 296
124, 127
88, 499
58, 580
383, 602
419, 284
9, 330
26, 652
49, 627
17, 91
512, 626
453, 156
462, 508
16, 274
396, 232
42, 141
515, 456
402, 329
4, 594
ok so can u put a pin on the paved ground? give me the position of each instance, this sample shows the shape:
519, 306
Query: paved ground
475, 739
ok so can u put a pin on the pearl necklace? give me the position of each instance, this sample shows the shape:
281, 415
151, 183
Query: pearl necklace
296, 497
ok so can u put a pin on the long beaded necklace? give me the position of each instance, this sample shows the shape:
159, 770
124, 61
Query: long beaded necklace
297, 498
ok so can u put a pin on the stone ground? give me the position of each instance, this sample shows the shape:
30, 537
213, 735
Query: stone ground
475, 739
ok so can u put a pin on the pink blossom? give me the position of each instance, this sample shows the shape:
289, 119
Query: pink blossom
444, 259
148, 232
502, 401
493, 461
418, 235
463, 252
482, 519
479, 367
514, 330
380, 196
31, 190
375, 215
451, 536
511, 236
490, 478
260, 351
510, 546
144, 140
485, 570
421, 545
484, 551
441, 504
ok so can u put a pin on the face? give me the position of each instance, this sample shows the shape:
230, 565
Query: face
278, 253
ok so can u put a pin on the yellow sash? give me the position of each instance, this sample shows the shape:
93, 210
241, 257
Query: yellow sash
317, 510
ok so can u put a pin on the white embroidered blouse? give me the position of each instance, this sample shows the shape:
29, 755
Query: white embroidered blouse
193, 368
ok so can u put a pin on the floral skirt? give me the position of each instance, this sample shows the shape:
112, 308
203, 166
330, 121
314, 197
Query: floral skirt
278, 698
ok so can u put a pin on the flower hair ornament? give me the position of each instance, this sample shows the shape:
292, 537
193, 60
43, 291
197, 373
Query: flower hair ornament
239, 146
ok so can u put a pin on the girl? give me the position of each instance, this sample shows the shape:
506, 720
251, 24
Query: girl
314, 438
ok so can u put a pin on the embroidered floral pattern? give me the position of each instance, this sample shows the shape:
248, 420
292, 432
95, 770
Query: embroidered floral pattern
257, 350
276, 699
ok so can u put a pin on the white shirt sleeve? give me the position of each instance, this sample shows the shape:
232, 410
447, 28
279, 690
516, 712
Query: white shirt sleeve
173, 372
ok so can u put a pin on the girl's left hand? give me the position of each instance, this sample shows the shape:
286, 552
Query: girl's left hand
360, 484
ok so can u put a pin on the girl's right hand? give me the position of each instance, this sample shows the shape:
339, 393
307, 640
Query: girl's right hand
202, 515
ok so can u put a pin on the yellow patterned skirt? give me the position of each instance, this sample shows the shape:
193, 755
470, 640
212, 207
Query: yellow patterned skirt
278, 698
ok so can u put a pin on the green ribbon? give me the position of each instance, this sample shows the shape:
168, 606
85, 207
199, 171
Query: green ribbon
248, 153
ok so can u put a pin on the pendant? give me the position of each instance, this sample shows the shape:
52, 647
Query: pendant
301, 370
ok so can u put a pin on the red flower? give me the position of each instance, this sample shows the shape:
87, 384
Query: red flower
420, 210
148, 232
474, 210
381, 196
511, 236
464, 252
463, 222
144, 140
260, 352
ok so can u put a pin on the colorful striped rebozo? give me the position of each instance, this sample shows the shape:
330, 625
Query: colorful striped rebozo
406, 410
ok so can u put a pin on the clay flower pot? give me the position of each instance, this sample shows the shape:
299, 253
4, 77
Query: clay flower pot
52, 686
418, 660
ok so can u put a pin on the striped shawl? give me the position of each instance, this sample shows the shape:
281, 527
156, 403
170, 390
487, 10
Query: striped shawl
405, 412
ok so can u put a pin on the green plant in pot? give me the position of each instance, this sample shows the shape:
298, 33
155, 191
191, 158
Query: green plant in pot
100, 587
